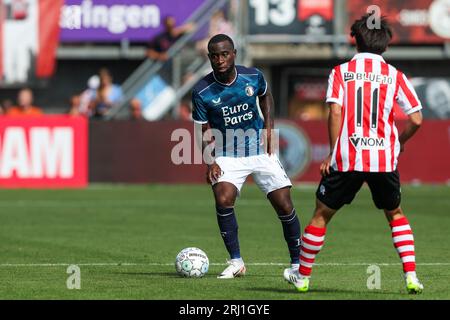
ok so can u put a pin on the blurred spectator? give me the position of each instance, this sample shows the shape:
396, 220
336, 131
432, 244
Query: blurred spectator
136, 110
88, 95
75, 105
5, 105
81, 104
108, 94
218, 24
24, 105
158, 47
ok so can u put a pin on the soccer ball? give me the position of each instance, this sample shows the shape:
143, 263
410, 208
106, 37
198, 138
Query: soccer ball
192, 263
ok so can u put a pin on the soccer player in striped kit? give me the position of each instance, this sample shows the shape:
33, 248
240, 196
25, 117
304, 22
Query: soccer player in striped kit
365, 145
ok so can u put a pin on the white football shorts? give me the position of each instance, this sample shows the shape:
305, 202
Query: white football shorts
267, 172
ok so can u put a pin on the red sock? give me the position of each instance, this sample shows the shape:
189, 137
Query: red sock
312, 242
403, 239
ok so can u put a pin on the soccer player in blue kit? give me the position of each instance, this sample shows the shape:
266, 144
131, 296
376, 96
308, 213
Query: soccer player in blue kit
226, 101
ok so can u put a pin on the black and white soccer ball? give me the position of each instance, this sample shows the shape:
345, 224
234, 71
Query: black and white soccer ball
192, 263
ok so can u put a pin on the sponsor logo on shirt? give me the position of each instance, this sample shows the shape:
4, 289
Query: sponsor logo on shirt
368, 76
367, 143
233, 115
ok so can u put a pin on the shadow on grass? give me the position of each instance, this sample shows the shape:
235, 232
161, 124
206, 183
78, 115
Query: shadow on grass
151, 274
324, 291
357, 292
275, 290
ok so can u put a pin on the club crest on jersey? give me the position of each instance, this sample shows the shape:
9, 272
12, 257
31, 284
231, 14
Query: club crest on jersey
249, 91
367, 143
216, 101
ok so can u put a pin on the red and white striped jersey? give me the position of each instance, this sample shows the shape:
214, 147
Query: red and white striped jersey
367, 87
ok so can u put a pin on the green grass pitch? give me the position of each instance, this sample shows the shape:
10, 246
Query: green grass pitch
125, 239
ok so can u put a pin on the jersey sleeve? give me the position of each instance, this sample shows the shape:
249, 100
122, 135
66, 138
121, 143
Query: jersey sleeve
262, 84
335, 91
406, 95
199, 113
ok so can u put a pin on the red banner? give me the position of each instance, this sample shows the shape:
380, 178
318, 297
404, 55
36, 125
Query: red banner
308, 8
302, 147
43, 152
425, 159
49, 30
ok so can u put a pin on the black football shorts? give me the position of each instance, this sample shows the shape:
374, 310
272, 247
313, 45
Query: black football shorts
339, 188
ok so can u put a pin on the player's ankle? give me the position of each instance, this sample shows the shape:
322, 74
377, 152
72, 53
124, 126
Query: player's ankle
410, 273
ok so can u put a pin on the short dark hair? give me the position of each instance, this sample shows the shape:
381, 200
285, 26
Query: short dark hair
373, 40
219, 38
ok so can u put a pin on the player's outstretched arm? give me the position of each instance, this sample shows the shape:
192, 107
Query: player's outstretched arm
414, 123
266, 104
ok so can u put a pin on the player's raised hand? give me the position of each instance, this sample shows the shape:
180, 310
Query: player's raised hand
325, 166
214, 172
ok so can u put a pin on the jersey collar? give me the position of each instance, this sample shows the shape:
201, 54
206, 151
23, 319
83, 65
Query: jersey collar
226, 84
368, 55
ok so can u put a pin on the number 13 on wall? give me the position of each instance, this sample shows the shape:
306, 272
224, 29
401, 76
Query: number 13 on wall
277, 12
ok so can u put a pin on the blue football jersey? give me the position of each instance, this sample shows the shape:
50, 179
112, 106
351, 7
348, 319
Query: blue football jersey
233, 110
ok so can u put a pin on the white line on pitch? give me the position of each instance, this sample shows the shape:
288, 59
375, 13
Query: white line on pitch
104, 264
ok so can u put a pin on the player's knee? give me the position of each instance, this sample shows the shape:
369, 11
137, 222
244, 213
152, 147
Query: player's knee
285, 208
224, 201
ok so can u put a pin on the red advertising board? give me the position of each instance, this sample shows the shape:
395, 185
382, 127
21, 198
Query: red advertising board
425, 159
43, 152
308, 8
302, 147
413, 21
